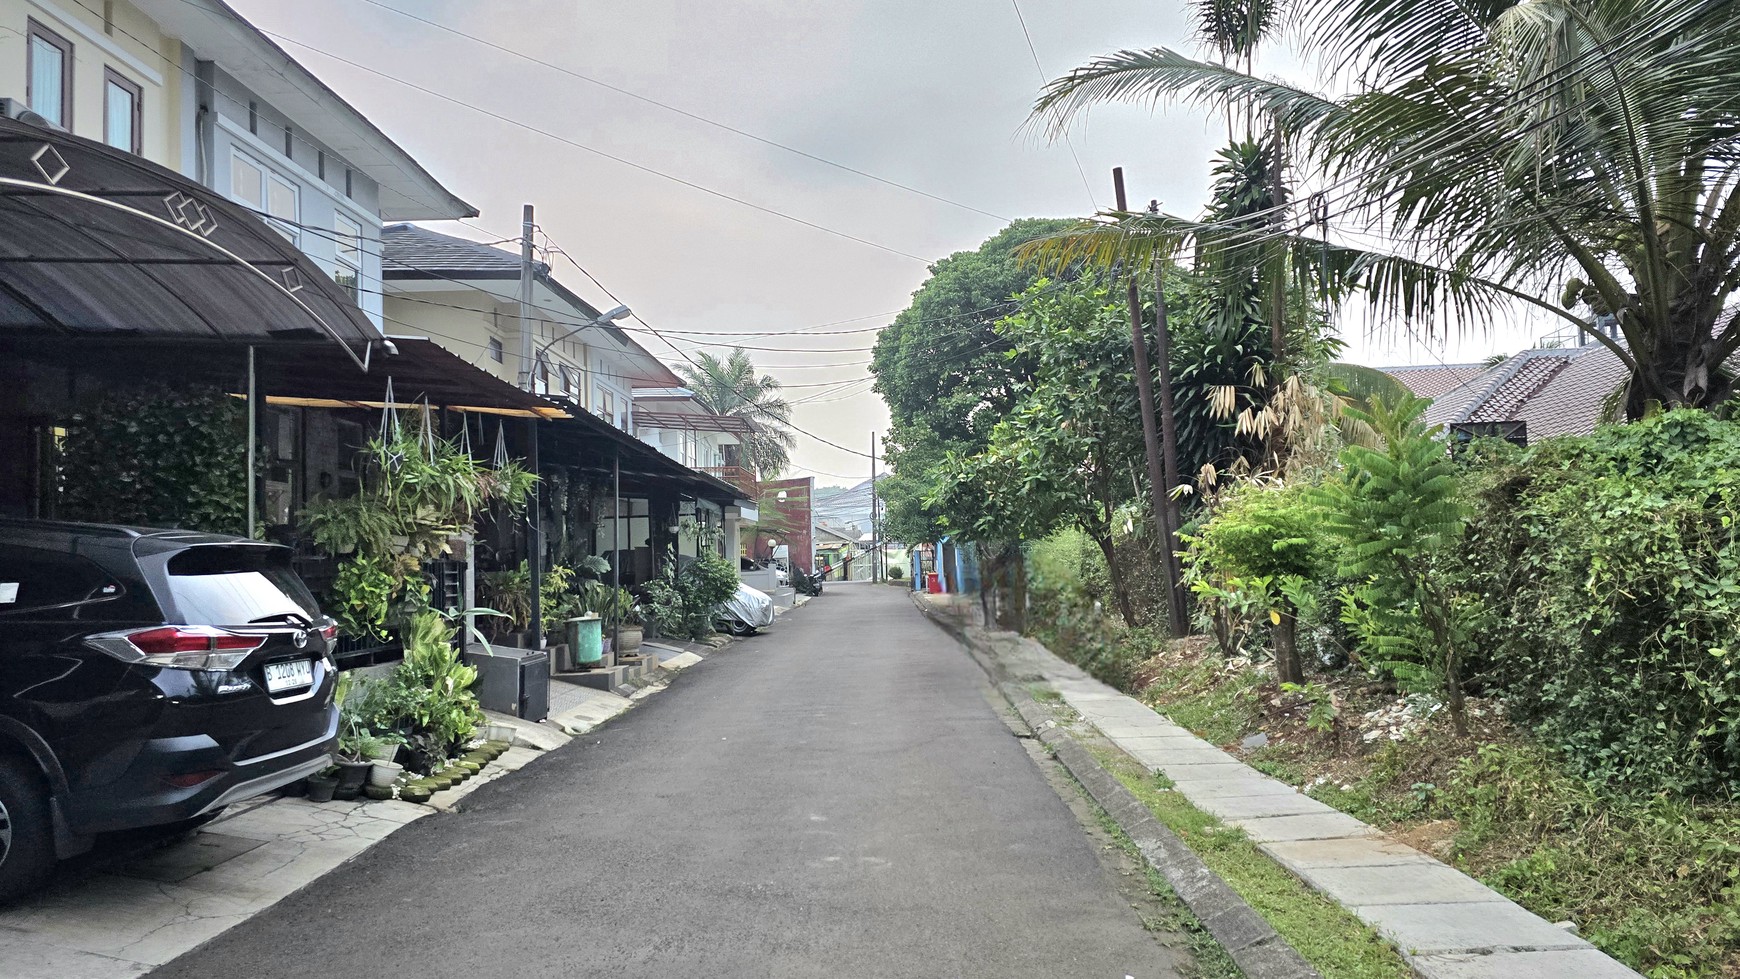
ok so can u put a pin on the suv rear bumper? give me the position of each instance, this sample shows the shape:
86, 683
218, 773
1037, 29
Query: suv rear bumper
143, 796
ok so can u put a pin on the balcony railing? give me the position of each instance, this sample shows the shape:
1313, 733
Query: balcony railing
743, 479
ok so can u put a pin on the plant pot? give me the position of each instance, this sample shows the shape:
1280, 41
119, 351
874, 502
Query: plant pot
628, 640
586, 641
351, 777
385, 773
321, 788
295, 790
387, 755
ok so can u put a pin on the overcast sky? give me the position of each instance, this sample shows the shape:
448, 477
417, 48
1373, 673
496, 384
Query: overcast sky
927, 93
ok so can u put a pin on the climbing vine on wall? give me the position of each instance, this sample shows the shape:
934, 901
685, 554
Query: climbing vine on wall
158, 457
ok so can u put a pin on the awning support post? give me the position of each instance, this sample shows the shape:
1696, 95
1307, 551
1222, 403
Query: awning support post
535, 543
253, 450
615, 545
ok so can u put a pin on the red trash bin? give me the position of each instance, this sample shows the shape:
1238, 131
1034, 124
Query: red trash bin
932, 584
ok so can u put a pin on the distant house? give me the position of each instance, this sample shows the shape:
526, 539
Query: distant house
1533, 395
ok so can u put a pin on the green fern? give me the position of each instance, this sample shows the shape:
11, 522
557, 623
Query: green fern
1398, 514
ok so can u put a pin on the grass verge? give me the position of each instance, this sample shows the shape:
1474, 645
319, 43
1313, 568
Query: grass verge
1335, 942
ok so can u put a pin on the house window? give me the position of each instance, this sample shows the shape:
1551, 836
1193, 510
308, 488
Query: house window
123, 110
349, 253
495, 351
48, 74
254, 185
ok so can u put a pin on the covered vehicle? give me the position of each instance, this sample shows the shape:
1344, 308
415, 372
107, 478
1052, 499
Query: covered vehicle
748, 610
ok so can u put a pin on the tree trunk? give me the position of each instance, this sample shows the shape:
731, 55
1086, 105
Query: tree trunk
1120, 594
1286, 632
1018, 592
1453, 690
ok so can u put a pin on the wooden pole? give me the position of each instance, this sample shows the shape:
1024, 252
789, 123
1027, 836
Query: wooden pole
1157, 482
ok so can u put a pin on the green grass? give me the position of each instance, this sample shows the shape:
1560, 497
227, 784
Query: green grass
1044, 694
1336, 943
1216, 708
1211, 960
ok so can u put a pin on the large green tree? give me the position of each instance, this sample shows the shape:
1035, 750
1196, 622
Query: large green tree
946, 374
729, 385
1069, 450
1575, 155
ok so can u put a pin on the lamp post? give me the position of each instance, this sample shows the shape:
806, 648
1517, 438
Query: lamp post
603, 320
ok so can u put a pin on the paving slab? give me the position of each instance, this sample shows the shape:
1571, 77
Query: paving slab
121, 922
1250, 806
1181, 755
597, 707
1413, 883
1425, 929
1371, 851
1232, 786
1219, 772
680, 661
544, 737
1315, 826
1584, 963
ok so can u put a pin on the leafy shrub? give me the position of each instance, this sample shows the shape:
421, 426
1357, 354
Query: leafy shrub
1254, 556
428, 700
158, 458
681, 600
1611, 564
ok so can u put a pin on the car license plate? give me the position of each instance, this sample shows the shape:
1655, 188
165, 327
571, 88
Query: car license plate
289, 676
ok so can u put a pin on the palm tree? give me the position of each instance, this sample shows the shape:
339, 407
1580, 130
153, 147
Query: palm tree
730, 387
1578, 156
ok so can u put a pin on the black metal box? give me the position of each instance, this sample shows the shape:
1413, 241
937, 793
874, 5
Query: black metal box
512, 681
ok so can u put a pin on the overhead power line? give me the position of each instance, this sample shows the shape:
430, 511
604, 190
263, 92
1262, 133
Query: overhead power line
685, 113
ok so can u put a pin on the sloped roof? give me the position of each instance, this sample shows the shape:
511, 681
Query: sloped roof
415, 252
1556, 392
218, 33
1435, 380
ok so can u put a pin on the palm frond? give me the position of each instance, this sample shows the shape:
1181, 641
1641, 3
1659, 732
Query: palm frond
1148, 77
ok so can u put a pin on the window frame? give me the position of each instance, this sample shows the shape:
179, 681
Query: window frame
111, 77
34, 30
291, 227
497, 351
351, 264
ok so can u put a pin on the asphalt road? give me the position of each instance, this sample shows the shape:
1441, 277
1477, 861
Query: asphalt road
835, 798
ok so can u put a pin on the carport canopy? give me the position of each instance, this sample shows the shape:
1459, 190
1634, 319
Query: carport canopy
96, 242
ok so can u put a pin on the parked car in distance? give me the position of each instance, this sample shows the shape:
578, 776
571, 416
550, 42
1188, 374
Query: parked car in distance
148, 678
743, 613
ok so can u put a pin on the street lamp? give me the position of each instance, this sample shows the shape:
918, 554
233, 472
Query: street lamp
604, 320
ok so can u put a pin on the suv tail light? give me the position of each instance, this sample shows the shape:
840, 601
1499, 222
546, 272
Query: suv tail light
179, 647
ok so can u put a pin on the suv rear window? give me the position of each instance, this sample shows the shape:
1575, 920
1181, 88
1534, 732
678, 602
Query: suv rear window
229, 586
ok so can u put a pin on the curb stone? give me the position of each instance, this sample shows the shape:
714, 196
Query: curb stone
1254, 945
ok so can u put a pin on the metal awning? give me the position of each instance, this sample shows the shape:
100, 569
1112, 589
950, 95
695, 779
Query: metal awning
97, 242
693, 423
589, 443
312, 375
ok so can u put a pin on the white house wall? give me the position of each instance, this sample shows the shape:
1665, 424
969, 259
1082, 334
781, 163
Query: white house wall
321, 201
130, 45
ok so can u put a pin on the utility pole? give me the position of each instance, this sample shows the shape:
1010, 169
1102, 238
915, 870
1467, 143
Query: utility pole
1159, 487
534, 533
875, 539
1175, 603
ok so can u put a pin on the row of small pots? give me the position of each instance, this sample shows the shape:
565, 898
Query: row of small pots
460, 769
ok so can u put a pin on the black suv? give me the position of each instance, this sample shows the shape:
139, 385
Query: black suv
148, 677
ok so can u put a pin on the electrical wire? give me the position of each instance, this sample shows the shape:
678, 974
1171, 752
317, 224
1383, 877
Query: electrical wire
1043, 78
697, 117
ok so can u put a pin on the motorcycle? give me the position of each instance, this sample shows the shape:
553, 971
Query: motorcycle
805, 583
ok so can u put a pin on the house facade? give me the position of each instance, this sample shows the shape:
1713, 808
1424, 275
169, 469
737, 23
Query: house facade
192, 86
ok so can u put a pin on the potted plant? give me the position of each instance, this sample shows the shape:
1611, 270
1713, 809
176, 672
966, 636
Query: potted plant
322, 785
355, 759
385, 773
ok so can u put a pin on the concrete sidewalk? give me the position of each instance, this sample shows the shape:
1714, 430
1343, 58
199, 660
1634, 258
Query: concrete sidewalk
1446, 924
